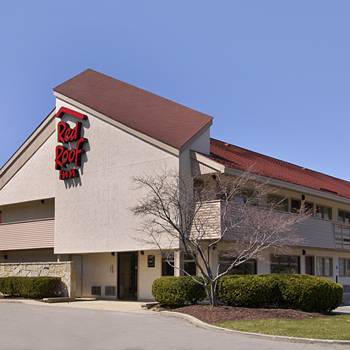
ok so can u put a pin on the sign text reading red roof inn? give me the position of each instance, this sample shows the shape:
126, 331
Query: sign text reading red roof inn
69, 152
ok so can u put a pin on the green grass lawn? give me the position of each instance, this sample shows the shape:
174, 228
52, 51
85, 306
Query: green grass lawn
327, 327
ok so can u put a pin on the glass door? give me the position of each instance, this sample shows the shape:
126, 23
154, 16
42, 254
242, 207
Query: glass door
309, 265
127, 275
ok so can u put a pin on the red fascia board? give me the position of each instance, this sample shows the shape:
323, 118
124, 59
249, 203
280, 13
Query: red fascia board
65, 110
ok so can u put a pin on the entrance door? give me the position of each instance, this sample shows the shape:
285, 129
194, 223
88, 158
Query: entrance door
309, 265
127, 275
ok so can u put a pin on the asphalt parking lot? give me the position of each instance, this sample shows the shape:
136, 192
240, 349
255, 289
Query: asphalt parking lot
42, 327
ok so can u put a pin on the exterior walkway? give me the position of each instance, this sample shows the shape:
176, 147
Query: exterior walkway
41, 327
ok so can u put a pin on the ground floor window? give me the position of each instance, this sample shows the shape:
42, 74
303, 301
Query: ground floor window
246, 268
324, 266
285, 264
168, 264
190, 265
344, 267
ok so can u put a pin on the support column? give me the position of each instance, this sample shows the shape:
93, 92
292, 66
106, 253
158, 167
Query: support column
178, 262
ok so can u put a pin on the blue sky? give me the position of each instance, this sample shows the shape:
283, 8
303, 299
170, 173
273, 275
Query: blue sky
275, 75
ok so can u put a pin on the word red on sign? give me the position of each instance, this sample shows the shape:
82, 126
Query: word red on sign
68, 155
66, 134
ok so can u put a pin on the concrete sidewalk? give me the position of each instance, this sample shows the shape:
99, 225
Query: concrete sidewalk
343, 309
106, 305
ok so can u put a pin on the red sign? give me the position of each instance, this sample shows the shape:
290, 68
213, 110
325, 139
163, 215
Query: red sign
68, 155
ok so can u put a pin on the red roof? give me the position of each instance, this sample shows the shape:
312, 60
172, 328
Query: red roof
143, 111
243, 159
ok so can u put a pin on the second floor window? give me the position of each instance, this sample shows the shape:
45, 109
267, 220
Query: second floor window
277, 202
323, 212
344, 216
307, 206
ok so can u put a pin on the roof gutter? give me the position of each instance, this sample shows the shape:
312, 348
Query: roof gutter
216, 166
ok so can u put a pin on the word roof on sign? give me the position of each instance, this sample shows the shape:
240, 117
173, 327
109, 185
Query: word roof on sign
70, 150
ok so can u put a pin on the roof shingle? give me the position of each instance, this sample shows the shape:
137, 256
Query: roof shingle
243, 159
143, 111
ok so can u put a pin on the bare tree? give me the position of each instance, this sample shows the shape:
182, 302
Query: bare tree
200, 214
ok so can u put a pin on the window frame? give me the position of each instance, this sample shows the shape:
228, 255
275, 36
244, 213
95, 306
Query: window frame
166, 267
231, 272
323, 267
346, 214
286, 263
322, 217
345, 272
281, 202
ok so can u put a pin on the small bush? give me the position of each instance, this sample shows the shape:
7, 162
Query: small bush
177, 291
308, 293
249, 291
31, 287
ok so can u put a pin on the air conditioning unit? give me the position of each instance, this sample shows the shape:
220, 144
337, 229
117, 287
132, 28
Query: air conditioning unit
110, 291
96, 290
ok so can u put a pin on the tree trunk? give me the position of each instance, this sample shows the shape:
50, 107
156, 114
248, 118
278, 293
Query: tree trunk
212, 294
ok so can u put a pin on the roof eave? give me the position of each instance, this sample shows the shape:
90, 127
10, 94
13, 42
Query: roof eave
109, 120
216, 166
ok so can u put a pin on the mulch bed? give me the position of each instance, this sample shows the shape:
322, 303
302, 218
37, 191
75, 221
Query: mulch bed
228, 313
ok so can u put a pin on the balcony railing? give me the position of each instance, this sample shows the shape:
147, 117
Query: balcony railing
27, 234
313, 232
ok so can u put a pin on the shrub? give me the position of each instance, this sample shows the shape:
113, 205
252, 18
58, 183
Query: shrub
308, 293
249, 291
31, 287
177, 291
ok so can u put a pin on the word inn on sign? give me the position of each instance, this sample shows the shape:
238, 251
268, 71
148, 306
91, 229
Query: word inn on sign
68, 155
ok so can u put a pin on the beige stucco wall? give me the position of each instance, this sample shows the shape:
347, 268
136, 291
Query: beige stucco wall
146, 275
95, 215
35, 180
33, 210
263, 262
97, 270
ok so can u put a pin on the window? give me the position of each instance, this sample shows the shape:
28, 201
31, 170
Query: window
344, 267
324, 266
168, 269
344, 216
323, 212
278, 202
285, 264
295, 205
246, 196
190, 265
307, 206
151, 261
246, 268
342, 236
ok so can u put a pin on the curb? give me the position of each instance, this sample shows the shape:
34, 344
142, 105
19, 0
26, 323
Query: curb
198, 323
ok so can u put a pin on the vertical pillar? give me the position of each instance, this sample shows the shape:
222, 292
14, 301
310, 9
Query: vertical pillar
178, 262
302, 265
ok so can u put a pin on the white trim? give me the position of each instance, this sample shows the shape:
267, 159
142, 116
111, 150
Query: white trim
5, 171
201, 158
26, 143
